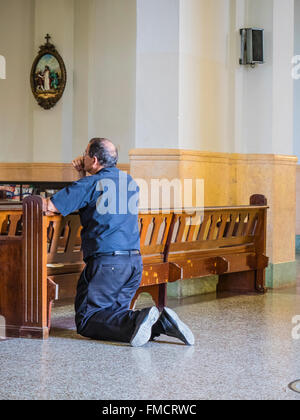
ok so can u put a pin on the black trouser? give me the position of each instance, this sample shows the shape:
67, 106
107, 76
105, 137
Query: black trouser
105, 290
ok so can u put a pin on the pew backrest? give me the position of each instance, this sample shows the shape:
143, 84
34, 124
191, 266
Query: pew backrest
154, 230
216, 229
63, 239
10, 220
218, 240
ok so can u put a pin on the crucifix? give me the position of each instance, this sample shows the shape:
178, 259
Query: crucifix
47, 37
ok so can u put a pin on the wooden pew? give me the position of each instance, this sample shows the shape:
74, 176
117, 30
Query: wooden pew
229, 242
50, 263
45, 262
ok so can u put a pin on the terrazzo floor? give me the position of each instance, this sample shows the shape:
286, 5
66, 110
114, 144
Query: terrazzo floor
244, 350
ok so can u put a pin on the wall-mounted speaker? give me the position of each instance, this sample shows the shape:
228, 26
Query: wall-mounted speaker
252, 46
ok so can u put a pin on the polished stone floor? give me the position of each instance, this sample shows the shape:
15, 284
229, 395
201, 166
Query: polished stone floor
245, 348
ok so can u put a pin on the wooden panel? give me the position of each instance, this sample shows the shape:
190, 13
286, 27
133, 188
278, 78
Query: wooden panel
155, 274
11, 284
66, 283
240, 282
35, 269
157, 292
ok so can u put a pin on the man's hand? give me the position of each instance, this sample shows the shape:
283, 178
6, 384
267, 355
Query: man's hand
78, 164
49, 208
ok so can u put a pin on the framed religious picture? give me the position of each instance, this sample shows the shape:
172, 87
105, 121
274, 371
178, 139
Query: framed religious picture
48, 76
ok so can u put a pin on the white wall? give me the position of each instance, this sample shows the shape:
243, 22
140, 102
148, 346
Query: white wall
226, 107
112, 60
148, 73
97, 41
52, 129
297, 83
157, 87
206, 66
81, 80
256, 85
266, 109
283, 86
16, 45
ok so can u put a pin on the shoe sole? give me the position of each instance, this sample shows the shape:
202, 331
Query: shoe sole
145, 329
187, 335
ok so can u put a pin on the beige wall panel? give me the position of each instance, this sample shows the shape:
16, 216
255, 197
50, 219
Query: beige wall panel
284, 210
298, 200
230, 179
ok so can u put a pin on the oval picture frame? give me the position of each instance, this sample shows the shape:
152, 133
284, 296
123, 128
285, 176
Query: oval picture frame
48, 76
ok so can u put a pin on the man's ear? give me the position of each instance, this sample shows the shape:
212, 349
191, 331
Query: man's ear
95, 162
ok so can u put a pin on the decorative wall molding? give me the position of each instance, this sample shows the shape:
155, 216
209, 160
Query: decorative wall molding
229, 179
56, 172
203, 156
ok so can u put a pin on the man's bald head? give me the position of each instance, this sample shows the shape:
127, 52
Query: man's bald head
104, 150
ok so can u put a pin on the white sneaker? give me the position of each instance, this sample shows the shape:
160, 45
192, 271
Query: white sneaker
143, 329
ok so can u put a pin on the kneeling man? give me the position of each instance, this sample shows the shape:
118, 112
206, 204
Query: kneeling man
111, 251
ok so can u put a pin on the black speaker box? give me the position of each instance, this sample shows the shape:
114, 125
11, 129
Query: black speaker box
252, 46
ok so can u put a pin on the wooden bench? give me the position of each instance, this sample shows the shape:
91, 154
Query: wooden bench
49, 262
229, 242
45, 261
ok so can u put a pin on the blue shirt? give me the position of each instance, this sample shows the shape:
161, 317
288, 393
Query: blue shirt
108, 208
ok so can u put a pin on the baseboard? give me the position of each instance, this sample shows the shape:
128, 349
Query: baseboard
297, 244
192, 287
21, 331
281, 275
34, 332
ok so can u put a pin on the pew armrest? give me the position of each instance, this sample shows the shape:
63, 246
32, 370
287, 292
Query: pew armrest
52, 290
175, 272
258, 261
217, 265
52, 294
